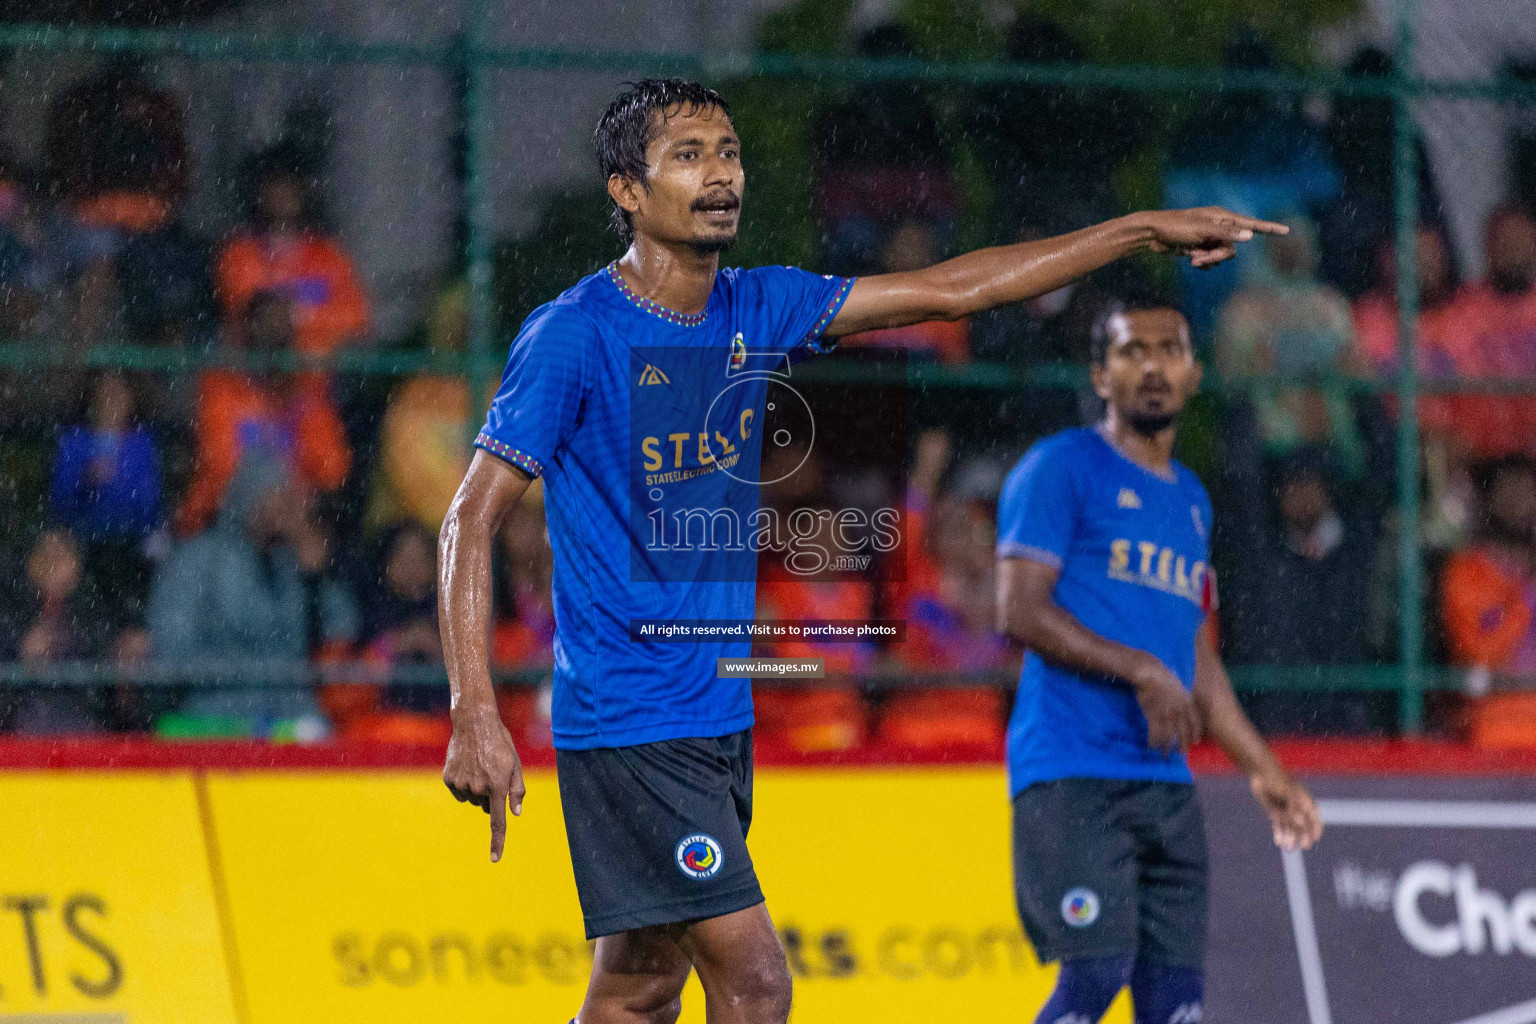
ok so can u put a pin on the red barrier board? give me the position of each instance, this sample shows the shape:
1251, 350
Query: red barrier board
1307, 757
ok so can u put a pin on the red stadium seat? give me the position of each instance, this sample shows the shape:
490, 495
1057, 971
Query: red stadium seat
399, 728
812, 721
926, 720
1504, 721
525, 718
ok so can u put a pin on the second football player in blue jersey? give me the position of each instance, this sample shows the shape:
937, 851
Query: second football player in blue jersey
1104, 571
619, 393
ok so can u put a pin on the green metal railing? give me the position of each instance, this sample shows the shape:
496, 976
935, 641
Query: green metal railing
909, 374
474, 55
1410, 595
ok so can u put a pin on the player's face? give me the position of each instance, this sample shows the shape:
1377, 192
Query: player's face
1149, 369
694, 183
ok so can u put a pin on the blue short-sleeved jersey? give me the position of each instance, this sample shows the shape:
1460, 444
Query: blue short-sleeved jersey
1134, 553
629, 411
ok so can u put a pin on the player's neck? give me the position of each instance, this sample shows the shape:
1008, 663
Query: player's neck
675, 276
1150, 451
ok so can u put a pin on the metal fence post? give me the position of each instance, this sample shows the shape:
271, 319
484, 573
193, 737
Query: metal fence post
477, 213
1406, 208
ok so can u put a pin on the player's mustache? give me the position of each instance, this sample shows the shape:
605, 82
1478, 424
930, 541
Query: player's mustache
717, 201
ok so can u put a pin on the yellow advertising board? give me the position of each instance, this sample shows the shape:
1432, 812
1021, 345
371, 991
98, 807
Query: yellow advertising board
280, 897
107, 909
371, 897
893, 893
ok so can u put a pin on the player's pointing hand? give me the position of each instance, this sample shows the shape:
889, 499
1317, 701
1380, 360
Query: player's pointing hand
1207, 235
483, 768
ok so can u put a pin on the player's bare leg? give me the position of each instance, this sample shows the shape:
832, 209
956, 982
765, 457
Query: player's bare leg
741, 966
637, 978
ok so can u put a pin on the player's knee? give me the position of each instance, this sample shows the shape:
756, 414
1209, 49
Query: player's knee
659, 1001
764, 984
653, 999
666, 1013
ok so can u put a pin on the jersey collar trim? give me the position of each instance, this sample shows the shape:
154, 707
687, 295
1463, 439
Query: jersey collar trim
1172, 477
671, 316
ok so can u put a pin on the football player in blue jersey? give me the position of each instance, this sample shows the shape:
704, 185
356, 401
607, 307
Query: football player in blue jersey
1104, 572
619, 393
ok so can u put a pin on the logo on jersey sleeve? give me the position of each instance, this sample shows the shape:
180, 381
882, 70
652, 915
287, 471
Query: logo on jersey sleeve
1080, 908
699, 856
1194, 513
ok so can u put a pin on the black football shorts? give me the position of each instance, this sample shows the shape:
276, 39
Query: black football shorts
658, 831
1106, 867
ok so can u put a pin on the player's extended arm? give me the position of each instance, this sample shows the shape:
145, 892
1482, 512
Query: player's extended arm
1027, 611
482, 766
1011, 273
1291, 810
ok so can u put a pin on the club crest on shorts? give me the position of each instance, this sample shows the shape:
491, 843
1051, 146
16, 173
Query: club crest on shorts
1080, 908
699, 856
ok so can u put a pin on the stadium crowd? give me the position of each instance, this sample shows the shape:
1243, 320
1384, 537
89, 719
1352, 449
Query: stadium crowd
260, 517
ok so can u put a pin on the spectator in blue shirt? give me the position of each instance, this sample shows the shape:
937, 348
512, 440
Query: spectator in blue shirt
106, 475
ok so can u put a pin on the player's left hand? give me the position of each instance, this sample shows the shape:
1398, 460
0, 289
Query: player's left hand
1292, 812
1207, 235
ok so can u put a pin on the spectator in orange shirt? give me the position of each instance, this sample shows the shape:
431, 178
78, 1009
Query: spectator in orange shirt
913, 245
1441, 333
1375, 312
1493, 334
284, 251
1488, 590
289, 415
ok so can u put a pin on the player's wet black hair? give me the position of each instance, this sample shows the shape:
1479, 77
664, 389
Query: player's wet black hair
629, 124
1127, 302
